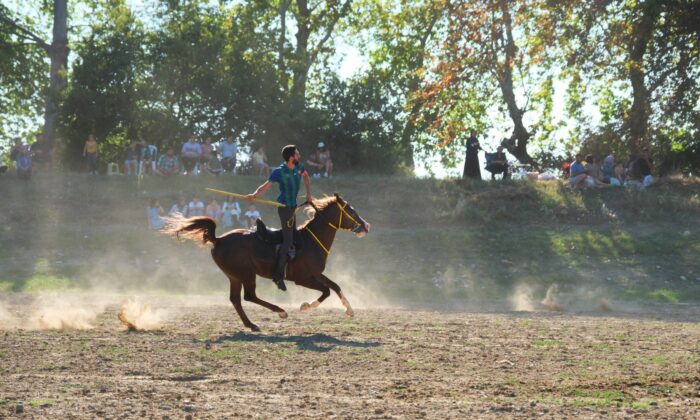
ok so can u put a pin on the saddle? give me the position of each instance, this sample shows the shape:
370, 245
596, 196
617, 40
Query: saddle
274, 237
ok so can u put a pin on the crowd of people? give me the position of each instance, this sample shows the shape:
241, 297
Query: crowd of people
586, 172
228, 214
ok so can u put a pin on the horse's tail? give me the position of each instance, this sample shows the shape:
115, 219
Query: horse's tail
199, 229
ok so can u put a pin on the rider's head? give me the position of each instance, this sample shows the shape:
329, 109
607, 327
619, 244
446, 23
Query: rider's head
288, 152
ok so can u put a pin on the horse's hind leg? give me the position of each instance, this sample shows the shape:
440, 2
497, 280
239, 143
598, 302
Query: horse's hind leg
330, 283
235, 297
250, 296
311, 283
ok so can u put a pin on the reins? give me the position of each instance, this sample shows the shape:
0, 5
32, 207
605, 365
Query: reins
339, 227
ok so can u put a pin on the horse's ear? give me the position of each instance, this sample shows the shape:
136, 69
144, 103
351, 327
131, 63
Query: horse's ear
337, 197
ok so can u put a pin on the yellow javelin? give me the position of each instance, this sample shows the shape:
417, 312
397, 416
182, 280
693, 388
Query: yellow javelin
272, 203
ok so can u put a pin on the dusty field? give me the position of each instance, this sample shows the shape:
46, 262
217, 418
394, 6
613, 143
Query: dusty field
380, 364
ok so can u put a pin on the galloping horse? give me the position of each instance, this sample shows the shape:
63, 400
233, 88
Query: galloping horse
241, 254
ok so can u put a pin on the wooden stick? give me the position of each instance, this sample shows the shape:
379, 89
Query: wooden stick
242, 196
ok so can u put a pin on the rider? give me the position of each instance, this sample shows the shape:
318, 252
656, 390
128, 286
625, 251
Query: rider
289, 176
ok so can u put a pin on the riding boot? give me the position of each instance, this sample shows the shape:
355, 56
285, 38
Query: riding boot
278, 277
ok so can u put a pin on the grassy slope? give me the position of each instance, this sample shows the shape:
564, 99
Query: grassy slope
433, 241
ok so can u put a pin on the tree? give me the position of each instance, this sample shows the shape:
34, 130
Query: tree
57, 52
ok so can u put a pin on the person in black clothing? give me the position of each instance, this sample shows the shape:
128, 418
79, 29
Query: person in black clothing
498, 163
471, 163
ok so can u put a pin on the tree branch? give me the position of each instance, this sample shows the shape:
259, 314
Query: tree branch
329, 31
25, 33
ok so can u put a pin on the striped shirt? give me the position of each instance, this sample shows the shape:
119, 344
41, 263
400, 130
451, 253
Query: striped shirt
289, 181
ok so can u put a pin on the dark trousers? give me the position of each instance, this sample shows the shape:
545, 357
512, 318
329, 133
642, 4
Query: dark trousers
288, 222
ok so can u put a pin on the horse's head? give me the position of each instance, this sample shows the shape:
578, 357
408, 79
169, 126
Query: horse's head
349, 219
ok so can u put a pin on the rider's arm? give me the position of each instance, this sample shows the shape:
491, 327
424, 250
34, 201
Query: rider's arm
260, 191
307, 184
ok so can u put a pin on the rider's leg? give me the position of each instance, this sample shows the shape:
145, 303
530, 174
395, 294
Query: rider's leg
287, 220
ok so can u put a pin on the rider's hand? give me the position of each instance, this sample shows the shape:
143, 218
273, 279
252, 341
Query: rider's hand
250, 197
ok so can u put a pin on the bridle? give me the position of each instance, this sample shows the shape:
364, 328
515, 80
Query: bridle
355, 229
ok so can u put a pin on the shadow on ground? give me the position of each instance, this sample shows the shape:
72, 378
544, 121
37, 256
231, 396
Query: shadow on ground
321, 343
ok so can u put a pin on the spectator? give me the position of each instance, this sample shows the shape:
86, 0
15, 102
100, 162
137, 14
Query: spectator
214, 165
497, 163
640, 174
149, 156
168, 164
214, 210
23, 162
259, 161
90, 153
610, 172
140, 145
196, 207
321, 161
131, 159
594, 173
206, 154
577, 173
231, 213
155, 215
191, 153
41, 153
179, 208
228, 150
15, 149
251, 215
471, 161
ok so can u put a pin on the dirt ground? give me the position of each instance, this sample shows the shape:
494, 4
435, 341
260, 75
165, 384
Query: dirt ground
391, 363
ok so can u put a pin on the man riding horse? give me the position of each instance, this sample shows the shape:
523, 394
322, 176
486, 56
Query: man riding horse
288, 176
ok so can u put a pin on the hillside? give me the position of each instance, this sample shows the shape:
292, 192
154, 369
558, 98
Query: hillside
433, 242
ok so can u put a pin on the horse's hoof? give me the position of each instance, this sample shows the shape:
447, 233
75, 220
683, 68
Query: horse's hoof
283, 314
254, 328
350, 313
305, 307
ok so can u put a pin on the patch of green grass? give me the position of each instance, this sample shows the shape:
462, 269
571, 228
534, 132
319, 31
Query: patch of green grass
53, 367
546, 342
666, 295
40, 283
229, 353
5, 286
41, 403
193, 370
115, 352
641, 405
3, 401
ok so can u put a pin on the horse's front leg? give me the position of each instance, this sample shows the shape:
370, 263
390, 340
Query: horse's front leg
331, 284
250, 296
312, 283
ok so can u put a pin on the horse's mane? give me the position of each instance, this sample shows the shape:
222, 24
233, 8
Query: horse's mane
318, 205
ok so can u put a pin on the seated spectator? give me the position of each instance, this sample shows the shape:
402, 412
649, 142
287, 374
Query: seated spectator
259, 161
149, 156
90, 153
196, 207
619, 172
168, 164
251, 215
640, 174
321, 162
214, 165
15, 149
611, 173
497, 163
214, 210
155, 215
190, 153
23, 162
180, 208
230, 213
131, 159
578, 173
206, 154
41, 154
228, 151
594, 174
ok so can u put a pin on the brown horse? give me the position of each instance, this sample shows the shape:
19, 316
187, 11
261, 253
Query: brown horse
242, 254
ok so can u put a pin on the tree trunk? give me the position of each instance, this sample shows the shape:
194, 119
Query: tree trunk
58, 53
517, 143
284, 82
638, 121
301, 65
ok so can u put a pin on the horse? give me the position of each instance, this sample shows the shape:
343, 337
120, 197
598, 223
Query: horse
243, 254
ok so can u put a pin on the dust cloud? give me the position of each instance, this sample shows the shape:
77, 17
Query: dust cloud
54, 312
139, 316
522, 298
